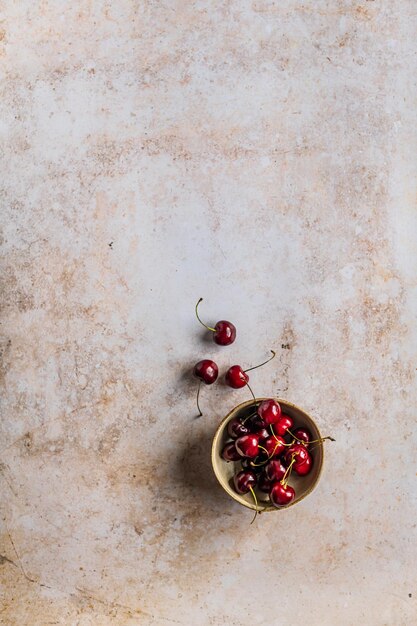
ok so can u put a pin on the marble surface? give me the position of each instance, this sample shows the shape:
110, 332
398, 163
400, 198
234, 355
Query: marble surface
260, 154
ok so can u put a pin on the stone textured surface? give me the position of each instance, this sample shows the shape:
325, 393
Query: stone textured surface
260, 154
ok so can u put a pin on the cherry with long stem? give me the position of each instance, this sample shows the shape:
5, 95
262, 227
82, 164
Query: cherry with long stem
236, 377
206, 371
224, 332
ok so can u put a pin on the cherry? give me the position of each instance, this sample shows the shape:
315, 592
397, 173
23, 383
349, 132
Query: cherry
236, 428
236, 377
284, 423
275, 470
274, 445
281, 494
304, 468
263, 435
269, 411
264, 484
224, 332
229, 452
302, 435
247, 445
298, 451
254, 423
244, 481
207, 371
256, 464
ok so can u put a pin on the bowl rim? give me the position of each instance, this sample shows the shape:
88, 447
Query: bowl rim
236, 496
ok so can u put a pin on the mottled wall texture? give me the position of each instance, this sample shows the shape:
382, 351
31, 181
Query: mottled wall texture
259, 153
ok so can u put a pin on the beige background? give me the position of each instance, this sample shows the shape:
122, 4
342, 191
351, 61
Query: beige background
260, 154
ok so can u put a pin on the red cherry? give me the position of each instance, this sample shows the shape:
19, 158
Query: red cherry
284, 423
255, 423
244, 481
262, 434
229, 452
247, 445
298, 451
207, 371
274, 470
274, 445
264, 484
269, 411
304, 468
256, 464
281, 495
236, 377
224, 333
302, 435
235, 428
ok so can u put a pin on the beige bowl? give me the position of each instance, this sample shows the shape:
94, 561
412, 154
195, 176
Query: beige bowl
225, 471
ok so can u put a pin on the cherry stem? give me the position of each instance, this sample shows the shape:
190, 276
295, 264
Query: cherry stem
313, 441
287, 474
264, 449
249, 416
250, 389
260, 364
256, 504
281, 442
198, 317
320, 441
198, 394
278, 445
260, 464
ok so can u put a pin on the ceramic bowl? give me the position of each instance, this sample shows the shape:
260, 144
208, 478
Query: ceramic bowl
225, 471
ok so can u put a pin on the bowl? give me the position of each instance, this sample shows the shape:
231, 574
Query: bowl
224, 471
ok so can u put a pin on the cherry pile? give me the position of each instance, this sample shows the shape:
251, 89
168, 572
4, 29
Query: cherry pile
263, 443
268, 450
